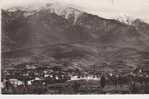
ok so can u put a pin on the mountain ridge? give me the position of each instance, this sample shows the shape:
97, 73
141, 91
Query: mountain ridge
89, 37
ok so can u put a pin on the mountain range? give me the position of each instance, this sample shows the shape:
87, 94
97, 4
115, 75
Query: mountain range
63, 33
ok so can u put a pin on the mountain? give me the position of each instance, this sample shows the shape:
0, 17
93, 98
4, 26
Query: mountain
56, 33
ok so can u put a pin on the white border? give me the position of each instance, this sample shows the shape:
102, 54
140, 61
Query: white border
138, 96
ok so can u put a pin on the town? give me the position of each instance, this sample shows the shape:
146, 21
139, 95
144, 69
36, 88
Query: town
44, 79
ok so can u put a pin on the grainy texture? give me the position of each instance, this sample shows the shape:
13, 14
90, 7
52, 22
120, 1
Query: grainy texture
63, 47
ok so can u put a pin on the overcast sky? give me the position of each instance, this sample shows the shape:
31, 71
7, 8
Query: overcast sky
104, 8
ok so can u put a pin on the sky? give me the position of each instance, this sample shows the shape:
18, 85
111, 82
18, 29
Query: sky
104, 8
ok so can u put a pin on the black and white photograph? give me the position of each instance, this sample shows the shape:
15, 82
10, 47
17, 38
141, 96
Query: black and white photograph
74, 47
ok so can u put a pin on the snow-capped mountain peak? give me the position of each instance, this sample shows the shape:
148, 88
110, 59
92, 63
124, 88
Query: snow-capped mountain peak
64, 10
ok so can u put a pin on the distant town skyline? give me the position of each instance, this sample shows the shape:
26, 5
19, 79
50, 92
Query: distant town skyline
104, 8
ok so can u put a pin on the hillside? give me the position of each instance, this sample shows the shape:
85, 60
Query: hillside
65, 33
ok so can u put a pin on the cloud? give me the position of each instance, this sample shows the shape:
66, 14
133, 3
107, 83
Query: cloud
104, 8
